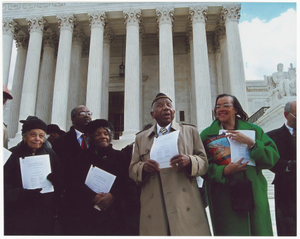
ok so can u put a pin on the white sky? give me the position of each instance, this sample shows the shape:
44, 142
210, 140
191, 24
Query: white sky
265, 44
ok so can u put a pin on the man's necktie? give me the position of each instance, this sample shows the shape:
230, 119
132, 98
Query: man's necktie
163, 130
83, 142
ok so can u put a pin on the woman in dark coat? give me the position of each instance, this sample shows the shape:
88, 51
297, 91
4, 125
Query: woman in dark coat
110, 220
27, 211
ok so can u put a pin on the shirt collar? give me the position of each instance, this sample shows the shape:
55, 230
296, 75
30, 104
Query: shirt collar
289, 128
158, 128
78, 133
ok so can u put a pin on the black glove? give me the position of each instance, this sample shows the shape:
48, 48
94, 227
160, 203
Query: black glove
56, 182
31, 194
292, 165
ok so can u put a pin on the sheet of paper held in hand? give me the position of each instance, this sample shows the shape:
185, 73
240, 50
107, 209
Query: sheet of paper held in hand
34, 172
6, 155
164, 148
238, 150
99, 181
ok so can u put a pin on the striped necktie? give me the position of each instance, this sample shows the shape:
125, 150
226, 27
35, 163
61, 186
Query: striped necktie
83, 142
163, 130
294, 134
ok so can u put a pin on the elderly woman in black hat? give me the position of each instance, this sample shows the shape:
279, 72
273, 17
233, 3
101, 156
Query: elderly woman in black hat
27, 211
100, 153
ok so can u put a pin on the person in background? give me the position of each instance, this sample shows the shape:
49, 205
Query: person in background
68, 148
27, 211
6, 96
225, 221
285, 173
170, 200
54, 132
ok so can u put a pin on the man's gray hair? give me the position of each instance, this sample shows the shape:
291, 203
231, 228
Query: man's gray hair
74, 112
288, 107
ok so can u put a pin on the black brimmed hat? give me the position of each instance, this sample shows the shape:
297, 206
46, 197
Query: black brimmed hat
98, 123
54, 128
159, 96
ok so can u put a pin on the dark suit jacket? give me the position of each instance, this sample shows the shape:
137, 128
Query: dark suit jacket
287, 151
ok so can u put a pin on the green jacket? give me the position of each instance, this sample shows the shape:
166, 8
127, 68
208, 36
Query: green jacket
225, 221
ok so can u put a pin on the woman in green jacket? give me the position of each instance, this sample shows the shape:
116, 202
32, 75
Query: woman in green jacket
225, 221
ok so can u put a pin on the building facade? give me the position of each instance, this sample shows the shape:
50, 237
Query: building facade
70, 54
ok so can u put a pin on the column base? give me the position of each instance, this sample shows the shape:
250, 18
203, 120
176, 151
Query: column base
128, 135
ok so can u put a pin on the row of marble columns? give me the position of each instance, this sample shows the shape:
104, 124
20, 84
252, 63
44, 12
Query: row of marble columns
32, 89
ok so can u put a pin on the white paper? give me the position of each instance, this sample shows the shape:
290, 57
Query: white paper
6, 155
200, 181
239, 150
164, 148
99, 181
34, 172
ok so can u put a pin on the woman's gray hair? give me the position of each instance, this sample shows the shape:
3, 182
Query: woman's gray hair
110, 132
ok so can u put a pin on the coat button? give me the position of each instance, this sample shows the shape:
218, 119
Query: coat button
149, 216
104, 157
188, 209
151, 195
184, 189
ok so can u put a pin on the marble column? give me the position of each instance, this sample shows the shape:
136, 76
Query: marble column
220, 30
22, 45
198, 17
108, 37
31, 74
218, 59
75, 70
142, 36
95, 69
8, 31
46, 79
165, 19
132, 19
193, 92
230, 15
62, 72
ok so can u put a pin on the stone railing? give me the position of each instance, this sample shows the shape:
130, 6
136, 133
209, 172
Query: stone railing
258, 114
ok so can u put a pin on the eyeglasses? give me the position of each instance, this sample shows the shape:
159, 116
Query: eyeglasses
225, 106
293, 115
83, 113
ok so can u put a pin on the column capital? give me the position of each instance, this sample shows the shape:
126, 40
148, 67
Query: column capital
21, 40
230, 13
66, 21
50, 39
78, 37
132, 17
36, 24
198, 14
165, 15
108, 35
10, 27
97, 19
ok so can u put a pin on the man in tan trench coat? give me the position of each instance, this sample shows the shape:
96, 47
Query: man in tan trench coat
170, 200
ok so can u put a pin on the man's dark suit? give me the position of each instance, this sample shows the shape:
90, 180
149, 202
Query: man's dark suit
285, 182
69, 151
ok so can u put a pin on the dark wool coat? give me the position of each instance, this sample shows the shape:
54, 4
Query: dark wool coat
285, 182
225, 221
112, 221
23, 216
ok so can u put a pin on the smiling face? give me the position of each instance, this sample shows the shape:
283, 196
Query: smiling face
226, 115
163, 112
34, 139
101, 138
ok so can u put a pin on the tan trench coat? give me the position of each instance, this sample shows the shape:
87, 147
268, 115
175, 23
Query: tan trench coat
171, 197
